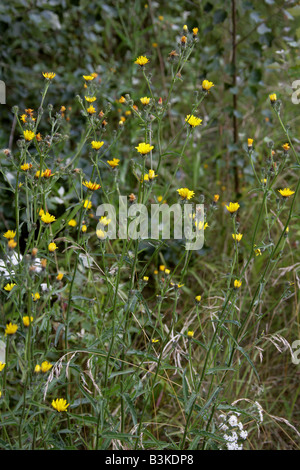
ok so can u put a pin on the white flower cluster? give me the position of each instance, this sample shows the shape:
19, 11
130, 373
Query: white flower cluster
233, 430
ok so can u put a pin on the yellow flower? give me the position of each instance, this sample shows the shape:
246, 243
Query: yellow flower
195, 31
233, 207
26, 166
60, 276
250, 142
122, 100
9, 234
237, 284
190, 334
145, 278
36, 296
154, 341
144, 148
167, 271
87, 204
96, 144
162, 267
28, 135
91, 186
113, 163
60, 404
91, 109
101, 234
83, 228
52, 246
72, 223
206, 85
141, 60
12, 244
201, 225
273, 97
27, 320
198, 298
11, 328
47, 218
257, 252
37, 369
185, 193
193, 121
216, 197
49, 75
286, 192
88, 78
145, 100
286, 147
152, 175
45, 366
9, 287
237, 236
90, 99
2, 365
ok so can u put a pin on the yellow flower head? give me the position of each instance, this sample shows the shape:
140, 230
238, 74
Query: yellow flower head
28, 135
49, 75
141, 60
26, 166
122, 100
250, 142
195, 31
47, 218
198, 298
104, 221
145, 100
101, 234
144, 148
113, 163
72, 223
96, 144
216, 197
36, 296
91, 109
145, 278
91, 186
207, 85
233, 207
185, 193
60, 404
52, 246
11, 244
152, 175
286, 192
162, 268
237, 284
37, 369
27, 320
87, 204
9, 234
190, 334
2, 365
11, 328
90, 99
60, 276
273, 97
9, 287
83, 228
88, 78
45, 366
193, 121
237, 236
286, 147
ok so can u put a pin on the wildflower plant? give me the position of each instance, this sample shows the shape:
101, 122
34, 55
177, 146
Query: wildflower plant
143, 340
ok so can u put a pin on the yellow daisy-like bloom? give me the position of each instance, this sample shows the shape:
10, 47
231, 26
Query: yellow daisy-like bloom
37, 369
113, 163
52, 247
201, 225
162, 267
90, 99
145, 100
193, 121
101, 234
145, 278
257, 252
11, 328
195, 31
190, 334
122, 100
198, 298
237, 236
11, 244
286, 147
49, 75
96, 144
45, 366
91, 186
216, 197
185, 193
47, 218
87, 204
88, 78
27, 320
273, 97
167, 271
60, 276
207, 85
154, 340
28, 135
104, 221
250, 142
237, 284
72, 223
84, 228
152, 175
141, 60
23, 117
9, 287
9, 234
2, 365
233, 207
36, 296
60, 404
144, 148
26, 166
91, 109
286, 192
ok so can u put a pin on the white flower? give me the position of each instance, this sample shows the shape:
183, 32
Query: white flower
233, 421
243, 434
